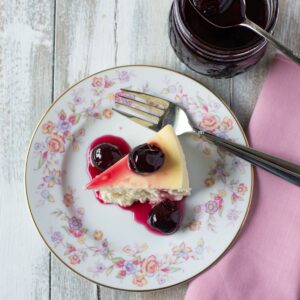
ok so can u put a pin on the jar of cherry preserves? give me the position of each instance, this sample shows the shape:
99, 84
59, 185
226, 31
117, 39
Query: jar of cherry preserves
218, 52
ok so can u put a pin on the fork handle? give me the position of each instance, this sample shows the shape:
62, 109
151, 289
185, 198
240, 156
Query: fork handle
277, 166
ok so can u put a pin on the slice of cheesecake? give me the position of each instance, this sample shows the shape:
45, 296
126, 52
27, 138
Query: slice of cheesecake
121, 185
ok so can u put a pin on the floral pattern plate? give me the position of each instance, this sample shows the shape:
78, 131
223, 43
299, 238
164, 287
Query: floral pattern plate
103, 243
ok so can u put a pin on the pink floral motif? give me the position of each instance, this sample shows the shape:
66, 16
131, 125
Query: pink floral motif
75, 226
211, 207
139, 280
39, 147
48, 127
233, 215
150, 265
53, 178
130, 267
238, 165
182, 251
219, 172
195, 225
97, 81
141, 268
209, 181
239, 189
209, 122
124, 76
64, 126
107, 82
100, 268
98, 234
122, 274
47, 196
74, 259
77, 99
205, 110
219, 201
226, 124
72, 119
62, 115
55, 143
56, 237
242, 189
70, 249
107, 113
92, 111
207, 212
215, 203
68, 199
235, 197
120, 263
134, 262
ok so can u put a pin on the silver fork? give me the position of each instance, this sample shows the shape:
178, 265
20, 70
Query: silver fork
154, 112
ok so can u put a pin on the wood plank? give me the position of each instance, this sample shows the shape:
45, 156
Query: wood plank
174, 293
84, 45
25, 92
98, 31
66, 285
142, 38
246, 87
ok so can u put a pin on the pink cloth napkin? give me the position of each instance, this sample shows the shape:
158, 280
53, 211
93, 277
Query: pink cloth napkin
265, 261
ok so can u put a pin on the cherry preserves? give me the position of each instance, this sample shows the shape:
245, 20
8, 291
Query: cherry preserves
165, 217
219, 52
105, 155
146, 159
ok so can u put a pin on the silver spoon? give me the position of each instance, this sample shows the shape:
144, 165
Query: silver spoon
232, 13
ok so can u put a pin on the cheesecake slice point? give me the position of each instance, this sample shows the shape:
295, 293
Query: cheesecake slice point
119, 184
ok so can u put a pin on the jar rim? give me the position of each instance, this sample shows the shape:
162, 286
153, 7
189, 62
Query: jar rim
217, 53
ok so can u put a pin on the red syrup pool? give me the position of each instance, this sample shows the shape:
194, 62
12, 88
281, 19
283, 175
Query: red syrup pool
141, 213
140, 210
111, 139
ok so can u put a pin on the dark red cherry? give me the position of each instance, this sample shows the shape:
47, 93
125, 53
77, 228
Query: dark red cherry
165, 217
146, 158
224, 13
105, 155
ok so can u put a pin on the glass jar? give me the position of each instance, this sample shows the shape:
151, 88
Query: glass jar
219, 53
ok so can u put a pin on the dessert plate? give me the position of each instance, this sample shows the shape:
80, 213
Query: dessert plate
103, 243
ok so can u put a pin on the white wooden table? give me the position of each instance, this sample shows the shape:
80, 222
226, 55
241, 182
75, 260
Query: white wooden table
46, 46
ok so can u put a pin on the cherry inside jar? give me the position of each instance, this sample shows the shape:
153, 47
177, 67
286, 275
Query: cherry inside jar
219, 52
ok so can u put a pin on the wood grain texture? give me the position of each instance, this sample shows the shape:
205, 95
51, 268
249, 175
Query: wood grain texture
84, 44
101, 28
67, 285
26, 31
174, 293
142, 38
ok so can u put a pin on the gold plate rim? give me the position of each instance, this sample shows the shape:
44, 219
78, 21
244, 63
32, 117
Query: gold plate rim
120, 67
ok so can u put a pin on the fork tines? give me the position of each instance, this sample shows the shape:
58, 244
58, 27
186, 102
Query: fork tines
145, 98
142, 108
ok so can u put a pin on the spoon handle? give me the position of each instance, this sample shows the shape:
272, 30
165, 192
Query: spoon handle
285, 50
